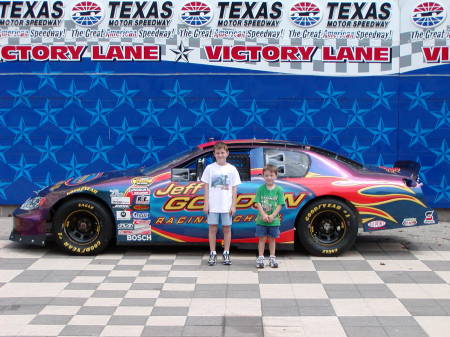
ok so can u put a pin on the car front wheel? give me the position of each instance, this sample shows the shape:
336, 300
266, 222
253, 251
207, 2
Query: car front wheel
82, 227
327, 227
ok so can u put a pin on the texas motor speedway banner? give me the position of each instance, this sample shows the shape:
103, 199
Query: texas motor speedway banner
340, 38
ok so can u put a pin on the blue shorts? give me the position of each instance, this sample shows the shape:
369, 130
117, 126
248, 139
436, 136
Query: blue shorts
225, 219
272, 231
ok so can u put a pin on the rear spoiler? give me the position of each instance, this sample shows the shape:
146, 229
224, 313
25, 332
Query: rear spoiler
407, 169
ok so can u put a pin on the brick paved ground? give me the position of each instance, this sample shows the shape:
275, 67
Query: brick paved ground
390, 285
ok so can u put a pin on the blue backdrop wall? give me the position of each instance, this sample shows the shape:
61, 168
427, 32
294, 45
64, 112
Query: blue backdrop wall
55, 124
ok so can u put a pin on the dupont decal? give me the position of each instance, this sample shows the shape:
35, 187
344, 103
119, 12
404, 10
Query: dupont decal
305, 14
196, 13
87, 13
429, 218
120, 200
407, 222
142, 199
368, 14
123, 215
128, 226
141, 215
376, 224
428, 14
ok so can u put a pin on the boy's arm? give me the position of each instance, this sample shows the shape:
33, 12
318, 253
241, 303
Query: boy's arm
233, 202
263, 214
206, 197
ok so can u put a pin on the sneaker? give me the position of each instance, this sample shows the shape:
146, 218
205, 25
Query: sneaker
226, 259
212, 259
273, 262
260, 262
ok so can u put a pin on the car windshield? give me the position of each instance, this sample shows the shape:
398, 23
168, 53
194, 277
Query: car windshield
166, 162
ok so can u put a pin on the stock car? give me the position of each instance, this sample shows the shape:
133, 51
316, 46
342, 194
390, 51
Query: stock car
327, 197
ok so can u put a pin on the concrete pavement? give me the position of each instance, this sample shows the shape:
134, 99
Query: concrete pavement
393, 283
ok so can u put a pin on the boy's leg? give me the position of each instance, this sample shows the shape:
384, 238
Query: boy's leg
212, 237
226, 237
272, 244
261, 245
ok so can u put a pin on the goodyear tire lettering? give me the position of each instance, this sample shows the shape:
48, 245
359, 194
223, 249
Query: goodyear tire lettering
99, 226
333, 239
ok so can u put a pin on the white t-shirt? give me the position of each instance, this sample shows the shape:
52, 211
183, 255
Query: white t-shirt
221, 179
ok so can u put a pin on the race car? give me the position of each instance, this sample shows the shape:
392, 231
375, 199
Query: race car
327, 197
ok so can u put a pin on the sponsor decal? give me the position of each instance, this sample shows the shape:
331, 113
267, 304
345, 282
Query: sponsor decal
125, 231
141, 207
196, 13
368, 14
120, 200
142, 199
428, 14
390, 169
429, 217
57, 185
83, 179
31, 13
140, 13
82, 189
125, 226
249, 14
376, 224
139, 237
123, 215
141, 222
141, 181
81, 250
139, 191
87, 13
409, 222
305, 14
141, 215
115, 193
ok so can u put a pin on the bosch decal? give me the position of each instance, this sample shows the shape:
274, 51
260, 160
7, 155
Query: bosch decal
123, 215
428, 14
249, 14
31, 13
358, 14
196, 13
140, 13
139, 237
305, 14
429, 218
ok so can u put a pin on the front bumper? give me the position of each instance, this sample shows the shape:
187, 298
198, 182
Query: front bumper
29, 227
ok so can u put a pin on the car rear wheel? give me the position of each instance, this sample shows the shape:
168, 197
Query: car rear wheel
82, 227
327, 227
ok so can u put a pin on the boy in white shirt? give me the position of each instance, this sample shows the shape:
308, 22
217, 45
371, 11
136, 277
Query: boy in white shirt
221, 180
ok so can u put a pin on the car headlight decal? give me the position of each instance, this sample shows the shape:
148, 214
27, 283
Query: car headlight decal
32, 203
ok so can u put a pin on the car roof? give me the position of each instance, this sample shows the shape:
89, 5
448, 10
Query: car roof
280, 143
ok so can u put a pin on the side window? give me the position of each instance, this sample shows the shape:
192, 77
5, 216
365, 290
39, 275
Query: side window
289, 163
193, 169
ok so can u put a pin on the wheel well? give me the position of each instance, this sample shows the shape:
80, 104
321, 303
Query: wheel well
59, 203
297, 218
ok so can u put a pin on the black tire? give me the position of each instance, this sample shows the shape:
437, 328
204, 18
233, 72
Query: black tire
82, 227
327, 227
